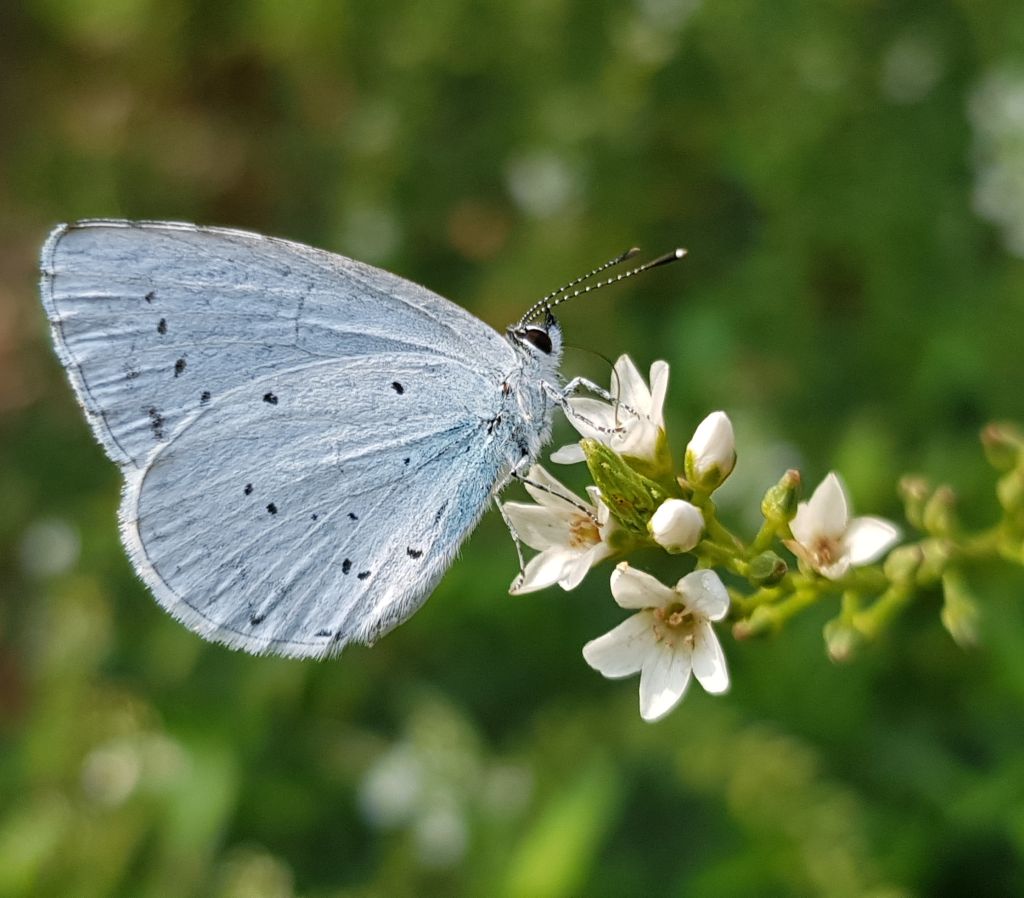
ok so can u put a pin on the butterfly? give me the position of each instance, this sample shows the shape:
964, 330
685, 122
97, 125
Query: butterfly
306, 440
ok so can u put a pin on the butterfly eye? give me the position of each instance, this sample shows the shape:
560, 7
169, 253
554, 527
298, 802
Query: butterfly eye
537, 336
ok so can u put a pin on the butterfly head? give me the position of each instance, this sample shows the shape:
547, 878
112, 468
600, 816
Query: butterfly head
539, 340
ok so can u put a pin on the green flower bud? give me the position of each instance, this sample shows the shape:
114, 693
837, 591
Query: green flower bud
935, 554
914, 491
1010, 490
939, 515
759, 623
841, 640
902, 563
631, 498
780, 502
766, 569
1003, 444
960, 614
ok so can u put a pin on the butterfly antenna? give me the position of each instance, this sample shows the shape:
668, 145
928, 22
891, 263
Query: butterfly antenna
560, 296
545, 301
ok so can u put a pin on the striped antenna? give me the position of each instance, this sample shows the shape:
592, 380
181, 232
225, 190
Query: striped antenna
564, 296
545, 301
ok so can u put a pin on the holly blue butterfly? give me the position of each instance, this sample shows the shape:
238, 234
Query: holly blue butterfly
305, 440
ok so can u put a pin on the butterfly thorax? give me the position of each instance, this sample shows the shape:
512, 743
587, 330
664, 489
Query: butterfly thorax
532, 384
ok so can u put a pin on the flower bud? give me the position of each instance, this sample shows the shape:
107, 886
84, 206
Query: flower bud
902, 563
841, 640
766, 569
938, 515
760, 622
1003, 445
960, 612
711, 453
914, 491
1010, 490
676, 526
935, 554
631, 498
780, 502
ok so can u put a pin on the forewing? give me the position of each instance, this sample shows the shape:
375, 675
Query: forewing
323, 517
155, 321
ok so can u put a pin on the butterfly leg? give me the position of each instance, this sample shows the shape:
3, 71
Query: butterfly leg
561, 399
517, 474
581, 383
516, 541
565, 495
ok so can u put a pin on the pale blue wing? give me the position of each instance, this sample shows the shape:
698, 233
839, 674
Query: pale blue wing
323, 517
155, 320
305, 439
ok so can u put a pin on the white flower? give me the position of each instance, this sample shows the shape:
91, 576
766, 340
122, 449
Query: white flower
667, 639
828, 541
633, 426
676, 526
711, 453
570, 534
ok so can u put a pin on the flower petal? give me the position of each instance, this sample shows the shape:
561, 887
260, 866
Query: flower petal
709, 661
628, 386
663, 680
704, 593
549, 492
568, 455
835, 571
826, 514
576, 571
592, 417
621, 652
659, 388
537, 526
635, 589
544, 570
639, 439
868, 538
605, 522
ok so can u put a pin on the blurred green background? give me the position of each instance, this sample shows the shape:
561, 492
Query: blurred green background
849, 178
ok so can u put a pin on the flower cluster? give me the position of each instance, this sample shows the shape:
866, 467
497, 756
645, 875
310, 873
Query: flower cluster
640, 498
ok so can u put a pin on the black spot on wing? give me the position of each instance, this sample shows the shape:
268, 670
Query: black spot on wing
346, 566
161, 328
151, 296
156, 423
272, 508
440, 512
204, 397
352, 516
405, 461
179, 367
257, 619
248, 489
362, 575
314, 516
270, 398
414, 553
324, 632
397, 387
